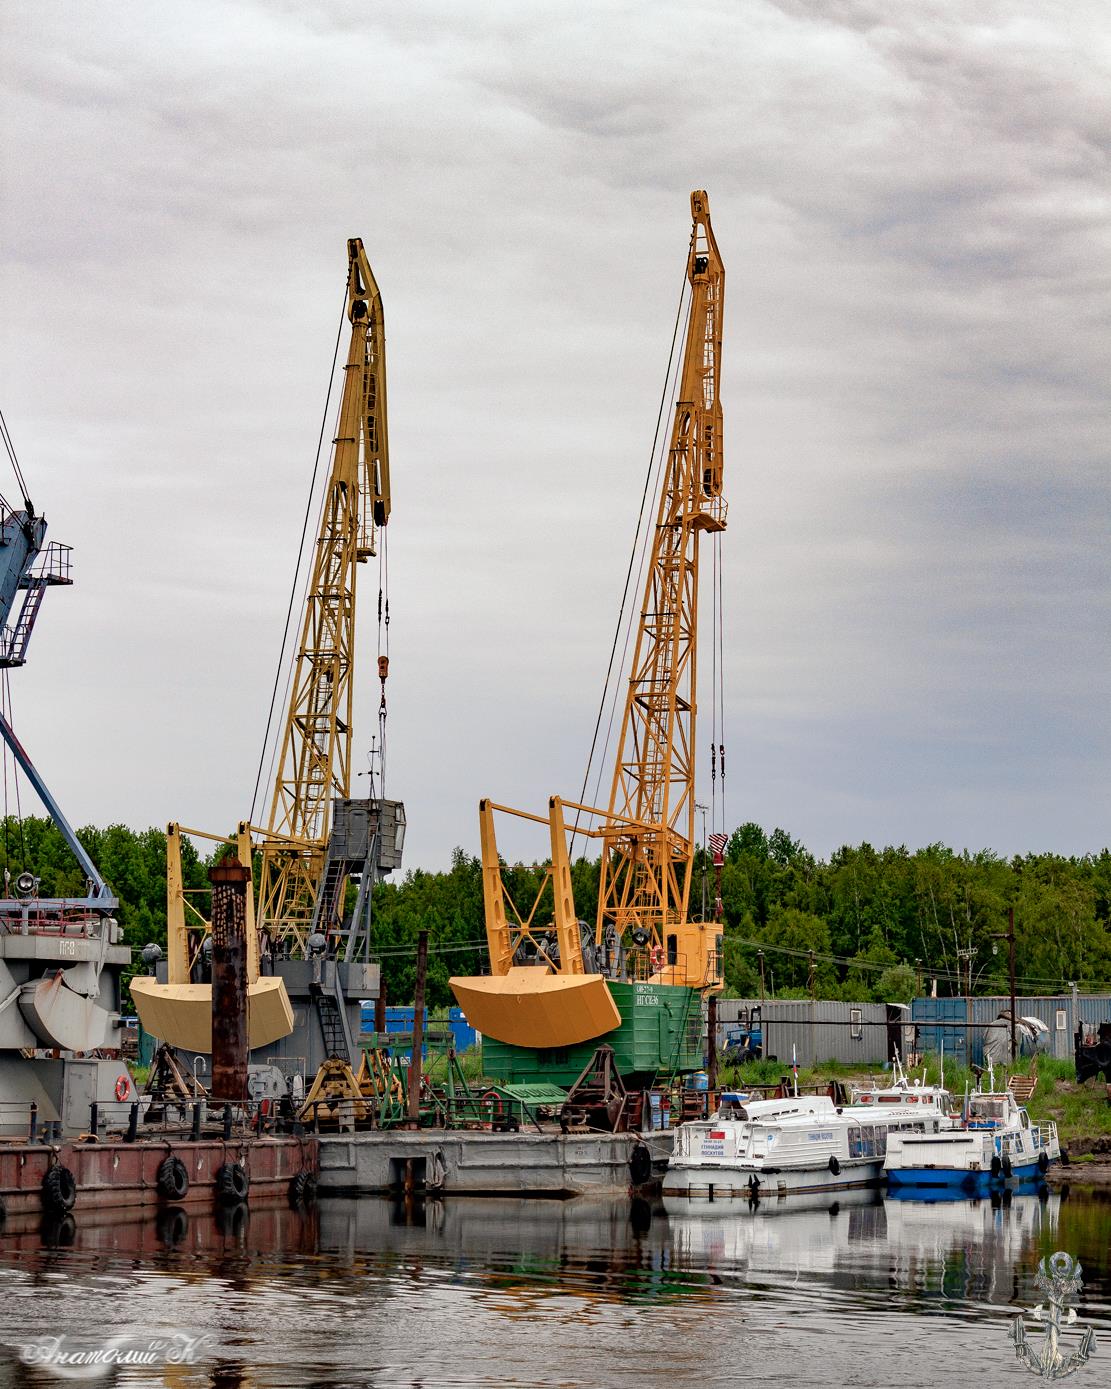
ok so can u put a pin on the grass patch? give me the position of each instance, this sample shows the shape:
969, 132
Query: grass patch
470, 1062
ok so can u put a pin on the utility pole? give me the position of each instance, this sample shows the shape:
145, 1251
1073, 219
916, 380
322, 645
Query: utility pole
813, 1010
1009, 936
965, 956
1011, 952
760, 957
1074, 1010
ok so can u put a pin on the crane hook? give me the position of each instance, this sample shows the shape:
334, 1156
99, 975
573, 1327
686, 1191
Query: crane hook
383, 671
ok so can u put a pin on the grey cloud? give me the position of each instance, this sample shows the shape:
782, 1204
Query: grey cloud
913, 210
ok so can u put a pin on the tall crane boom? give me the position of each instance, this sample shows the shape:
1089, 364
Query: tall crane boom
648, 835
558, 988
317, 837
314, 765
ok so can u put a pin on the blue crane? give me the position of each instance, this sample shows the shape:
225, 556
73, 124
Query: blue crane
30, 566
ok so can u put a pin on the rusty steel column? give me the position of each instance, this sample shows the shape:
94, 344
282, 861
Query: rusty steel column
416, 1059
712, 1043
229, 881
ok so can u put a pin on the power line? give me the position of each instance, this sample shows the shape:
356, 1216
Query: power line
949, 975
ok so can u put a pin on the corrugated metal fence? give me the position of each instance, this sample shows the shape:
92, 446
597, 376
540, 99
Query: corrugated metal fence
960, 1023
819, 1030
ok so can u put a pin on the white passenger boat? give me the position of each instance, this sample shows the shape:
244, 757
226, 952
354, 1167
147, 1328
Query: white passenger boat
804, 1143
998, 1143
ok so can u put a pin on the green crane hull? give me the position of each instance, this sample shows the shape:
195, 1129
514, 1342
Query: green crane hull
660, 1035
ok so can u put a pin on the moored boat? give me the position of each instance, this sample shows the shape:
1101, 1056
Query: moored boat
997, 1143
803, 1143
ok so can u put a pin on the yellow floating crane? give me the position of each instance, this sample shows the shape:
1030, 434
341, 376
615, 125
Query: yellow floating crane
556, 988
302, 882
314, 765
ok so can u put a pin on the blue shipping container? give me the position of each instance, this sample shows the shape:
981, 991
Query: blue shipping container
401, 1020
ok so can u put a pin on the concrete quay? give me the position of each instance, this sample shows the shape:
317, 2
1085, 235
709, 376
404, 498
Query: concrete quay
480, 1163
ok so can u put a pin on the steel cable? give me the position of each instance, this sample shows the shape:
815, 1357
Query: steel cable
300, 560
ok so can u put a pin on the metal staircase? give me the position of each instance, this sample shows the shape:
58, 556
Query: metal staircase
331, 1025
54, 568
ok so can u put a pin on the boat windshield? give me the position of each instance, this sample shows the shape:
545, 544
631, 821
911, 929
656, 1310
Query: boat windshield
989, 1107
731, 1108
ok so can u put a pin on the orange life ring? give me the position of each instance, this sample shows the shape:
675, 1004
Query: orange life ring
491, 1098
657, 957
123, 1088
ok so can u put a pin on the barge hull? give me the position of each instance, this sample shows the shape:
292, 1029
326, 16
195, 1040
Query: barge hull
112, 1175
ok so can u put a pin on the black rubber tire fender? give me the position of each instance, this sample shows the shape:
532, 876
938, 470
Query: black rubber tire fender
996, 1165
59, 1189
640, 1164
834, 1166
1043, 1162
302, 1189
1008, 1166
232, 1183
173, 1178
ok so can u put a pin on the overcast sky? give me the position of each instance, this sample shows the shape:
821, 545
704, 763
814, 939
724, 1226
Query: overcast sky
912, 203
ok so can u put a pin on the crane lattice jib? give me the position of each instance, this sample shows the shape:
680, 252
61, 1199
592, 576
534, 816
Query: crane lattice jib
646, 872
315, 760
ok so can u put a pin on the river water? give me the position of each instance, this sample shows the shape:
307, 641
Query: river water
468, 1293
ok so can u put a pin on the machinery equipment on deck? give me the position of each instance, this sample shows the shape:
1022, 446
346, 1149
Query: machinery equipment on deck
551, 990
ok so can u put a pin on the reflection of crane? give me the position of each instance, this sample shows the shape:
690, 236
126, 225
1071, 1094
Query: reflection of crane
317, 837
642, 930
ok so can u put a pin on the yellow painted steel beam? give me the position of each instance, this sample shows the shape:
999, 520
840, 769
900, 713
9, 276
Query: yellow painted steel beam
177, 937
566, 921
498, 940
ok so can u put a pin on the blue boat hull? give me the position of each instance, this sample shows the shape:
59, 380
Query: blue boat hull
949, 1179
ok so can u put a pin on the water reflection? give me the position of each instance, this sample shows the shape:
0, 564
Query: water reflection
509, 1292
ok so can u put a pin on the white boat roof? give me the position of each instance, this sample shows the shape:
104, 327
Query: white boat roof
793, 1107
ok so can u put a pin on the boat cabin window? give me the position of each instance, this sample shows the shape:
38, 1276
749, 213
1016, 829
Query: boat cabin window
988, 1107
867, 1141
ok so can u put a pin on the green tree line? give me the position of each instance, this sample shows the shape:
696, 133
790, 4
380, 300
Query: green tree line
866, 924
